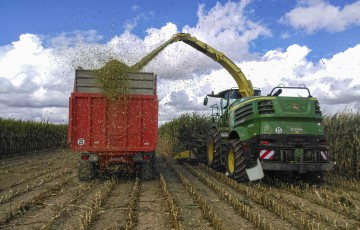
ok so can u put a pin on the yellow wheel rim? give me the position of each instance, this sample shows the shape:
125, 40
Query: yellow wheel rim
210, 151
231, 161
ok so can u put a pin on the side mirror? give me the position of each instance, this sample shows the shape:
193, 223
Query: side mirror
277, 93
205, 101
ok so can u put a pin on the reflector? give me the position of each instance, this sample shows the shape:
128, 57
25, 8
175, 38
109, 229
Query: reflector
263, 142
145, 157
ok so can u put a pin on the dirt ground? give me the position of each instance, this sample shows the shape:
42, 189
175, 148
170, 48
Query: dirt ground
42, 191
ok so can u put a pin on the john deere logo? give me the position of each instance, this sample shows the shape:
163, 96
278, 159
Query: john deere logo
295, 107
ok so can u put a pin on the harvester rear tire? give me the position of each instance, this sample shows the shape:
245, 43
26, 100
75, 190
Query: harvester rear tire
235, 162
86, 170
213, 150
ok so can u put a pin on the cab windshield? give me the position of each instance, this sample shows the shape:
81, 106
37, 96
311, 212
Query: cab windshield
231, 96
290, 92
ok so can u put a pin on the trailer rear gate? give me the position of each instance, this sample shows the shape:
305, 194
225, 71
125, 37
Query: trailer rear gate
97, 124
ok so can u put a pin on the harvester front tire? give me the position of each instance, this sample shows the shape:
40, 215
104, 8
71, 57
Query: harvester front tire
86, 170
235, 162
213, 150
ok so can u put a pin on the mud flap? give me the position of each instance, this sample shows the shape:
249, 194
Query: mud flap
256, 172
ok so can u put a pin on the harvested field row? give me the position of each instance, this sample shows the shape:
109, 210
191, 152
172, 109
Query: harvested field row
292, 203
45, 193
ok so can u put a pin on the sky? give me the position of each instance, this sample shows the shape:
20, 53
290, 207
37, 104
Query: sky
310, 42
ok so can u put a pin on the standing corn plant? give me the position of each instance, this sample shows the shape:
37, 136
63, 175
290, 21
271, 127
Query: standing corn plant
343, 136
21, 137
186, 132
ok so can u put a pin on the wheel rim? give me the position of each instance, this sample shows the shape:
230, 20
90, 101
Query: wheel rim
210, 151
231, 161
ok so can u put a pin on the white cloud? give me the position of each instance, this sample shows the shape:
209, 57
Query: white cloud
334, 81
227, 28
130, 24
337, 81
25, 58
36, 80
314, 15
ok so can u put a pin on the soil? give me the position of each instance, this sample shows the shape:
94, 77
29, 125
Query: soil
42, 191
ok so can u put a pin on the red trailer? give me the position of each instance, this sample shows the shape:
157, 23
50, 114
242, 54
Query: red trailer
109, 133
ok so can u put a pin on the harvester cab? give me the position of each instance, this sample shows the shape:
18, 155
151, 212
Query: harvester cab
227, 97
222, 101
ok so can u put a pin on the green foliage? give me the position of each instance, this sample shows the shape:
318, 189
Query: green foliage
21, 137
186, 132
343, 137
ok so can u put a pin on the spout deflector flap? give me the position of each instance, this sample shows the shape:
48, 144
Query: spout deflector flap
256, 172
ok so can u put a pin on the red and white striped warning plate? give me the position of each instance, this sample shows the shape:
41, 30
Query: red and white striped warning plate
267, 154
324, 155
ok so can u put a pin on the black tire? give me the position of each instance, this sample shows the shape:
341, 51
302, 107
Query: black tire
235, 162
86, 170
148, 170
213, 154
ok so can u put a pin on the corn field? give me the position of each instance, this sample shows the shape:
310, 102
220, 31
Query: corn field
42, 191
343, 138
22, 137
186, 132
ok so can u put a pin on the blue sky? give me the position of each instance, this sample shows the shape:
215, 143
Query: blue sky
109, 17
314, 42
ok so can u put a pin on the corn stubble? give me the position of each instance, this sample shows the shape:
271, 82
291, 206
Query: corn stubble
306, 217
174, 210
133, 205
207, 208
98, 200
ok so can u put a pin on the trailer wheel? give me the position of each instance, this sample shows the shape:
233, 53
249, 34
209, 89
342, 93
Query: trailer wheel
147, 171
86, 170
213, 150
235, 161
